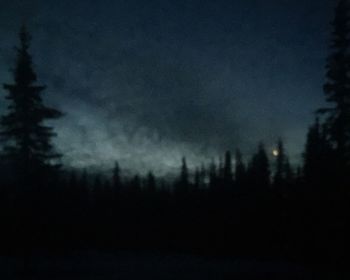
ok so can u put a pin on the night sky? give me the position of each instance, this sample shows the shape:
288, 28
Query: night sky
147, 82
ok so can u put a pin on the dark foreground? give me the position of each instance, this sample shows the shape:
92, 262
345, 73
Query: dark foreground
128, 265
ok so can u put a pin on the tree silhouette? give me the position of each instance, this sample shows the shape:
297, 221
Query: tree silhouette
283, 176
318, 158
197, 179
27, 140
282, 164
213, 175
240, 170
259, 170
228, 176
116, 178
202, 176
151, 184
337, 87
288, 172
183, 181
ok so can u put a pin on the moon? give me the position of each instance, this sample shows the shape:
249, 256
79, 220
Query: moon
275, 152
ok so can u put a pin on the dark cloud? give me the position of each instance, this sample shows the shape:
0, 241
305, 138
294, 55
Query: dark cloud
146, 82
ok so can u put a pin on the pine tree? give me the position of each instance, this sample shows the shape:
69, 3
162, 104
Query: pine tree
281, 159
197, 179
240, 169
259, 170
26, 138
283, 177
151, 184
289, 173
135, 184
116, 179
184, 181
228, 169
213, 175
203, 176
221, 169
318, 158
337, 86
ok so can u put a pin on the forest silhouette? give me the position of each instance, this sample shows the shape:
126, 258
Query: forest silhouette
240, 207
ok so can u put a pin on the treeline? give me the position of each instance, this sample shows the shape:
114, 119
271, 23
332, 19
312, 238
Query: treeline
231, 208
237, 207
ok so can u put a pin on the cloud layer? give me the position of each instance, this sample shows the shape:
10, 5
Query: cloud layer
146, 84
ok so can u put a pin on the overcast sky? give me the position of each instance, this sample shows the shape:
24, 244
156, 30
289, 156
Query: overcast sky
147, 82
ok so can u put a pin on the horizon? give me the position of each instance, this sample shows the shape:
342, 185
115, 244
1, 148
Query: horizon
167, 80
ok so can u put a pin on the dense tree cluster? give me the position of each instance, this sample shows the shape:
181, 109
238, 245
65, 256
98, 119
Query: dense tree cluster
259, 206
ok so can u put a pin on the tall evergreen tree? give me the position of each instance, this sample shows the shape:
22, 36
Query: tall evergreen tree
337, 86
151, 184
221, 169
197, 179
203, 176
26, 137
135, 184
184, 181
318, 158
228, 169
116, 178
240, 169
259, 169
289, 173
213, 175
281, 161
283, 177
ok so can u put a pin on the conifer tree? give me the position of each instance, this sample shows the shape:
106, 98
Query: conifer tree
116, 179
202, 176
213, 175
281, 161
337, 86
259, 169
151, 182
184, 181
318, 158
289, 173
135, 184
240, 169
26, 138
197, 179
228, 169
283, 177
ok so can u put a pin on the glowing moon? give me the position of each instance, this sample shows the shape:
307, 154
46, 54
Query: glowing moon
275, 152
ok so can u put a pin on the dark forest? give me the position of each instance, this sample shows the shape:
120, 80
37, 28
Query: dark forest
240, 207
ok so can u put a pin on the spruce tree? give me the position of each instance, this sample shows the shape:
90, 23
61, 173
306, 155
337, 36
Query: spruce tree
337, 86
228, 177
319, 160
25, 136
240, 169
281, 160
184, 176
213, 175
197, 179
203, 176
283, 176
116, 178
151, 184
259, 170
